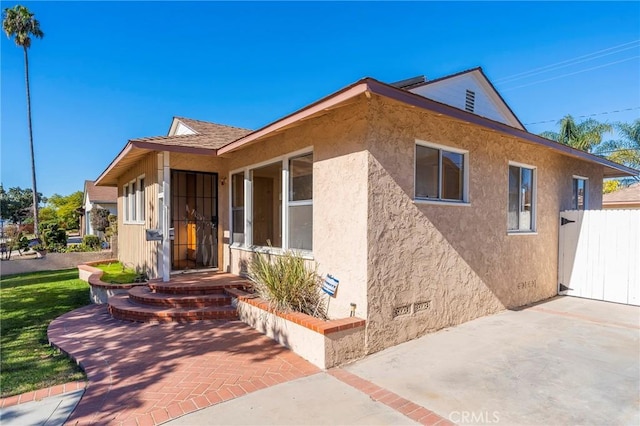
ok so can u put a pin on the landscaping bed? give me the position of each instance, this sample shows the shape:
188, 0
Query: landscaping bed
29, 303
325, 343
99, 290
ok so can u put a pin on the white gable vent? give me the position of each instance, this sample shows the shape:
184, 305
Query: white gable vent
470, 101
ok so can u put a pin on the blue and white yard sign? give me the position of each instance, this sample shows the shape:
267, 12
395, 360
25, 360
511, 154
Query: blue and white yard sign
330, 285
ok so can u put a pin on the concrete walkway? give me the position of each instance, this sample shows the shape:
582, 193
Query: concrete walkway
566, 361
51, 411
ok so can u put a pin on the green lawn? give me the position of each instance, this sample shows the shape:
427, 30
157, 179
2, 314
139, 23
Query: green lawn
28, 303
114, 273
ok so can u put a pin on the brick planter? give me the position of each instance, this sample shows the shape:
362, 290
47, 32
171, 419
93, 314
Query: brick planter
324, 343
100, 291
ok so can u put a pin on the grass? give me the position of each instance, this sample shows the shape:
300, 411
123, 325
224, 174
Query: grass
29, 303
116, 273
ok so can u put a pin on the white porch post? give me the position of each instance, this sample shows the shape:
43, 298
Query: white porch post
166, 216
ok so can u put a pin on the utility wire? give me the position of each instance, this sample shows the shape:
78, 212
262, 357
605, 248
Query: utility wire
567, 61
571, 73
531, 74
587, 115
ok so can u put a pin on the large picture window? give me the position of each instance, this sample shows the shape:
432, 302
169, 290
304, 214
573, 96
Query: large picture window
272, 204
440, 173
267, 205
522, 198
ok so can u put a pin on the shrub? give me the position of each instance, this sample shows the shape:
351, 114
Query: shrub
54, 237
287, 283
91, 241
100, 219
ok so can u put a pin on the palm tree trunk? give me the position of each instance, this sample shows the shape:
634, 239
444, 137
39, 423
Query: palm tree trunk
33, 160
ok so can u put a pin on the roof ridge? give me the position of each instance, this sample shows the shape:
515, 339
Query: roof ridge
210, 122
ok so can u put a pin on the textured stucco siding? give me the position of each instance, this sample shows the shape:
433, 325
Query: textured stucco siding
458, 260
339, 198
133, 248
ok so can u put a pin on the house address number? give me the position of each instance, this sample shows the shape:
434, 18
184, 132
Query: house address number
526, 284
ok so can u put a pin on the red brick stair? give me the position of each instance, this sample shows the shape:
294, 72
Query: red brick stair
183, 299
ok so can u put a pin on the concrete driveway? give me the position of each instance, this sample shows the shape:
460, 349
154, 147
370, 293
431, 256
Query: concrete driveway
567, 361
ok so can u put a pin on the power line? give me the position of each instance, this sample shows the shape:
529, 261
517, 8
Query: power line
571, 73
587, 115
566, 61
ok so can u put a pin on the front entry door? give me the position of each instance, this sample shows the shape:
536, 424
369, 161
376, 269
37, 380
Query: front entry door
194, 218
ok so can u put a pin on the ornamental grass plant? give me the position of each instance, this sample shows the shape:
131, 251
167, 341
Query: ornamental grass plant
287, 283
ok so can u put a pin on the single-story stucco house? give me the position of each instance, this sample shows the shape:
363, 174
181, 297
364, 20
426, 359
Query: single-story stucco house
96, 197
428, 200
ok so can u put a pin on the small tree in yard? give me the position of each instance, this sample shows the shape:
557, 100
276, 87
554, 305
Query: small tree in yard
100, 219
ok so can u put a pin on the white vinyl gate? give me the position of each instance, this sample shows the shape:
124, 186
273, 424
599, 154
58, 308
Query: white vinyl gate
599, 255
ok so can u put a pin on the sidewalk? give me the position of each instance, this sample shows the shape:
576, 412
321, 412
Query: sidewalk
46, 407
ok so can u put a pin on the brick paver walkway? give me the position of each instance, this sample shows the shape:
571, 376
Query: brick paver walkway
151, 373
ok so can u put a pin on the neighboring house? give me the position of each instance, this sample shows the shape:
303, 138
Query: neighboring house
625, 198
96, 197
429, 214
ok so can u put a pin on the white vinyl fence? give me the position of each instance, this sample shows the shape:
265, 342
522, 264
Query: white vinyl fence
599, 255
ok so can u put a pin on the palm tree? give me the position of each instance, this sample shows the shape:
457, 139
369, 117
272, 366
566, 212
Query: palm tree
627, 149
20, 24
585, 135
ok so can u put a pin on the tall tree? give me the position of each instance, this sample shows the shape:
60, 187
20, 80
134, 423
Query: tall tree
18, 23
16, 203
625, 150
586, 135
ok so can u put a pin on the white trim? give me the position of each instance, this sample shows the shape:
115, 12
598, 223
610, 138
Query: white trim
305, 254
440, 203
465, 173
579, 177
527, 166
166, 204
439, 146
522, 232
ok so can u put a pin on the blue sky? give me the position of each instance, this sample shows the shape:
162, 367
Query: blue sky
107, 72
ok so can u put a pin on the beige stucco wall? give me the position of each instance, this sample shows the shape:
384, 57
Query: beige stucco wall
459, 259
339, 198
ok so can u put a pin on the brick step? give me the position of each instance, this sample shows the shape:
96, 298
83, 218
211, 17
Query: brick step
122, 308
212, 284
144, 296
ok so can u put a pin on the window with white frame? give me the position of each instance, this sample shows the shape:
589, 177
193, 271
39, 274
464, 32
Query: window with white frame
579, 196
272, 203
441, 173
301, 202
237, 207
521, 212
125, 202
141, 199
133, 203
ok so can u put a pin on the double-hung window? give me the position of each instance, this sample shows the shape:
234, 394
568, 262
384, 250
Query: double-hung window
441, 173
301, 202
133, 204
237, 208
579, 197
125, 203
521, 214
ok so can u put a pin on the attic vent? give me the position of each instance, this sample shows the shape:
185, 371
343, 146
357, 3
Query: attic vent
470, 101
